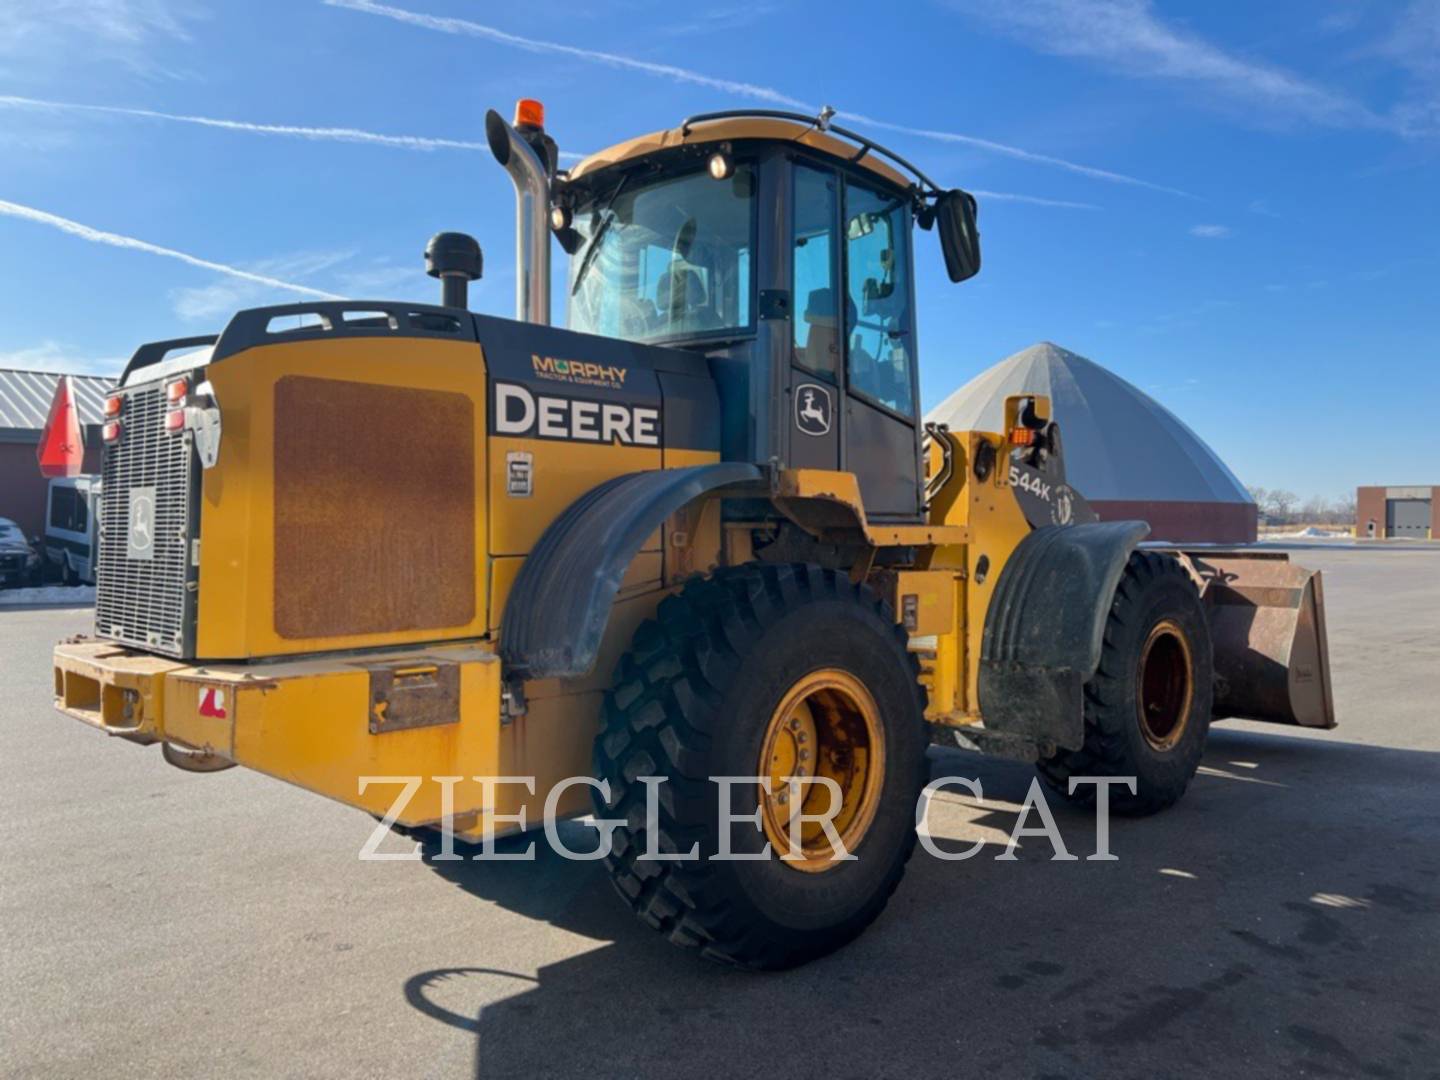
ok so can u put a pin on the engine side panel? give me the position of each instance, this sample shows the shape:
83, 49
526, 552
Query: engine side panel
306, 548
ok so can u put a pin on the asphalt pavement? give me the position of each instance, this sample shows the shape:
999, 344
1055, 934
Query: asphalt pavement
1283, 920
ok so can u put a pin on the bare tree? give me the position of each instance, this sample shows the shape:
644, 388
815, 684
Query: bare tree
1316, 510
1279, 505
1345, 509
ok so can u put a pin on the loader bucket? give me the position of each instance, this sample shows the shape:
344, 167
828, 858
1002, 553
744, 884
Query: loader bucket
1267, 622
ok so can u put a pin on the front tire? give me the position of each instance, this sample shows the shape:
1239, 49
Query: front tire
770, 671
1147, 708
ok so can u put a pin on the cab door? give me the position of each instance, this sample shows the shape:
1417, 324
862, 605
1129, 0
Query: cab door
881, 437
814, 383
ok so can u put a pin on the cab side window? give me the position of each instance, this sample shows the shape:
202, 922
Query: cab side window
817, 322
878, 297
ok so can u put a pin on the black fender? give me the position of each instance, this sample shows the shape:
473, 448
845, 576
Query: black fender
1045, 627
557, 609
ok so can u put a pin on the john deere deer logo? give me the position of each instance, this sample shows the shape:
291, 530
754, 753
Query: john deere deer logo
812, 409
140, 524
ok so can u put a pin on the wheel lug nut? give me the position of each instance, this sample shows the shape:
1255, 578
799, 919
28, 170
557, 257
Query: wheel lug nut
804, 755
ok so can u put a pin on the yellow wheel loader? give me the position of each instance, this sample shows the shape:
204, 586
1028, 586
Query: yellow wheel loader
694, 564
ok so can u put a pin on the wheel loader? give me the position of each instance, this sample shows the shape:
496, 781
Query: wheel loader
701, 533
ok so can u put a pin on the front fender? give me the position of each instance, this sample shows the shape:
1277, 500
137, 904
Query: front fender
1045, 627
561, 599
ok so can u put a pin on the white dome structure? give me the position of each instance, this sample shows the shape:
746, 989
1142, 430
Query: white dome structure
1127, 454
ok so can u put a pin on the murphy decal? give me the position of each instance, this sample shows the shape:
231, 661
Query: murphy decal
521, 412
582, 372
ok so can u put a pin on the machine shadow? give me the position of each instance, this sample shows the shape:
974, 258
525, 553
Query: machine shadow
1066, 959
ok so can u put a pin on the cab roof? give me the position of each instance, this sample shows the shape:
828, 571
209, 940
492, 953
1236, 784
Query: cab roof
702, 130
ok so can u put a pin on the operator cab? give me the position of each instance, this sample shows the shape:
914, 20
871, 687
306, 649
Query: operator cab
779, 247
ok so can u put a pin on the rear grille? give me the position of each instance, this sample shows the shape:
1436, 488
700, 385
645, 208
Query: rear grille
148, 602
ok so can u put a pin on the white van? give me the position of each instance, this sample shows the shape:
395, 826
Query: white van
70, 527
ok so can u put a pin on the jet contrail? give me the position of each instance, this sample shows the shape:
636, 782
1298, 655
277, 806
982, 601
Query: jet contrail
448, 25
1032, 200
332, 134
357, 135
769, 95
1011, 151
322, 134
99, 236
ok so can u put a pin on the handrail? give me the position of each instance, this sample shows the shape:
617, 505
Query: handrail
936, 483
822, 124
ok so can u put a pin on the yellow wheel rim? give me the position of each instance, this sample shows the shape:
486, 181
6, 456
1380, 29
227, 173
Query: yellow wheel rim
1165, 685
826, 725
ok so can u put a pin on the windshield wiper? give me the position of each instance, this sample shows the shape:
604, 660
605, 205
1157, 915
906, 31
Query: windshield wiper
587, 258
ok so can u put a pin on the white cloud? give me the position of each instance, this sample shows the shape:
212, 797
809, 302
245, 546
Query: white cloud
221, 299
1211, 232
99, 236
1129, 37
753, 91
55, 356
1414, 45
125, 31
718, 20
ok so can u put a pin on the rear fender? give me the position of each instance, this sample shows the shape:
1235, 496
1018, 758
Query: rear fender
1045, 626
555, 616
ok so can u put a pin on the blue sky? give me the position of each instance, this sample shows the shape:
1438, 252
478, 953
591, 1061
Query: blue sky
1232, 205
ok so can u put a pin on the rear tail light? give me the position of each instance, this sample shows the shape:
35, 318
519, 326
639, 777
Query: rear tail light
175, 420
111, 431
175, 391
113, 405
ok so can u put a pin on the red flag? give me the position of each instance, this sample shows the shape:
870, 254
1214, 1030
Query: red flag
62, 448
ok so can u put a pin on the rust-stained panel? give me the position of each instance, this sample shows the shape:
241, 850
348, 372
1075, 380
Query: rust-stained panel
374, 508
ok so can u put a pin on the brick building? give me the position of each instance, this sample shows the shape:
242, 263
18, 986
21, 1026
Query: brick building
1405, 513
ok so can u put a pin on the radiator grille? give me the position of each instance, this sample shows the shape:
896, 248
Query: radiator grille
148, 602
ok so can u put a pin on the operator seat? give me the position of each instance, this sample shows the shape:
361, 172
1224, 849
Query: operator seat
680, 296
822, 347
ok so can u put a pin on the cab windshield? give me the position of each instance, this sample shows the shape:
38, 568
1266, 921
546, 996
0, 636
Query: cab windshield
665, 258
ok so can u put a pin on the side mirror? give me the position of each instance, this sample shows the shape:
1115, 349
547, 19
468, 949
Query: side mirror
959, 233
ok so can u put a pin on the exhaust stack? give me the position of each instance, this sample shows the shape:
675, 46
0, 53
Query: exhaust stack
528, 155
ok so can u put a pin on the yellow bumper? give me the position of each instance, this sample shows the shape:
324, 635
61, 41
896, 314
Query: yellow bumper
322, 724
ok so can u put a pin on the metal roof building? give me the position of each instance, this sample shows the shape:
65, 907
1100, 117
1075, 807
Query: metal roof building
1125, 452
25, 398
25, 401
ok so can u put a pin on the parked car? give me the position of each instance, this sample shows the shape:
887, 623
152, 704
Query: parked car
71, 520
19, 560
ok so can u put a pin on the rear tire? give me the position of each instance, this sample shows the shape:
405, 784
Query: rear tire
1147, 708
709, 688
